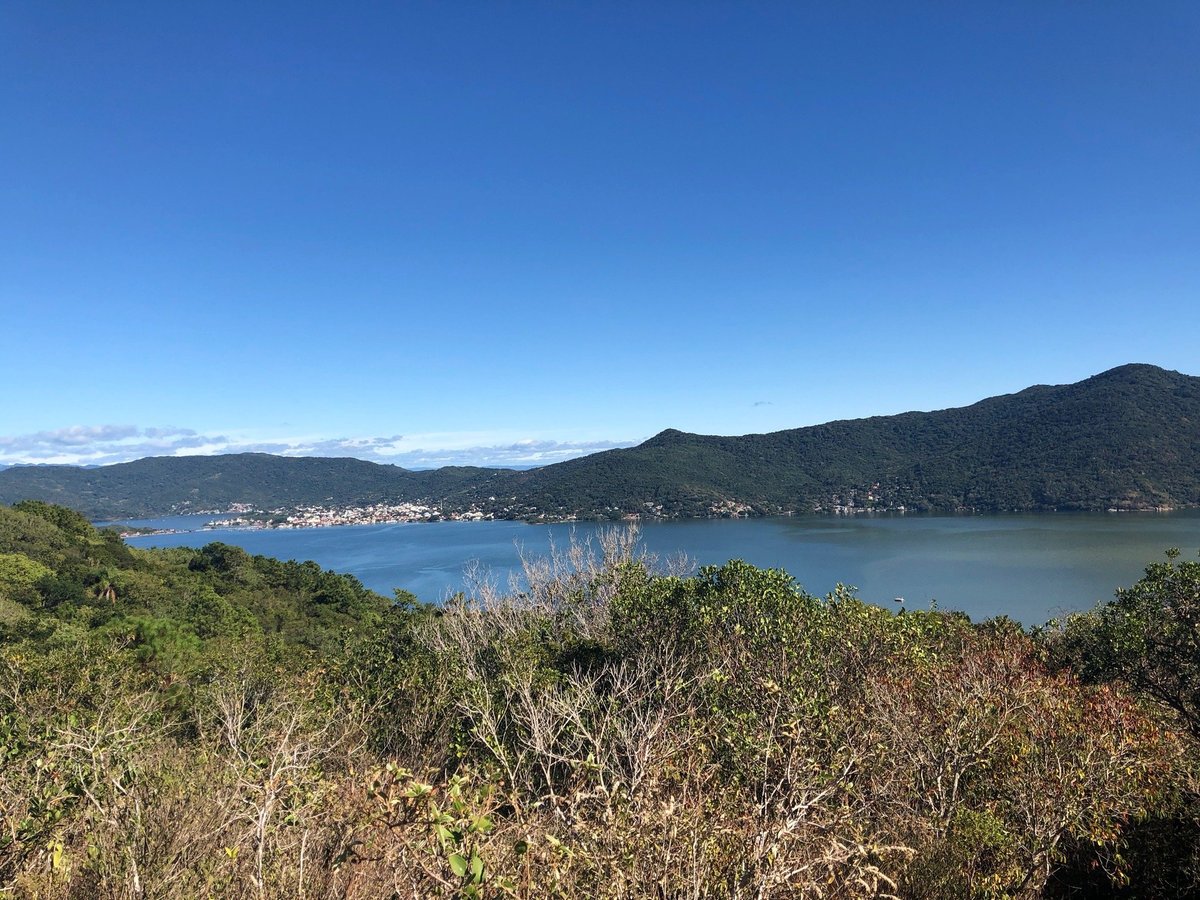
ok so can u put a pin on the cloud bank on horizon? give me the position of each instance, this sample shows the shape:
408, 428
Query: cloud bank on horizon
99, 445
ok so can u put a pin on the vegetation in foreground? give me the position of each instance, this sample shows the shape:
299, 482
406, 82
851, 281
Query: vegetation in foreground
203, 723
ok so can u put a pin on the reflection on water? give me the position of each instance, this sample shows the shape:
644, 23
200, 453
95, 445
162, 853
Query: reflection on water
1029, 567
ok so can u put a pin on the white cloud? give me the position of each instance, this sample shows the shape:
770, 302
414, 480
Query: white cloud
74, 436
522, 454
99, 444
106, 444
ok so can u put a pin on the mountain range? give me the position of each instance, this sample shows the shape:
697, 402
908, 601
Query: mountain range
1128, 438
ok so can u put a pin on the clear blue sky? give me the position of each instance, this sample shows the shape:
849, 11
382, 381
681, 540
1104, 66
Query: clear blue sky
380, 229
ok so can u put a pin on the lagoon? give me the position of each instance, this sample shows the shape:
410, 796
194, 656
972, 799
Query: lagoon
1028, 567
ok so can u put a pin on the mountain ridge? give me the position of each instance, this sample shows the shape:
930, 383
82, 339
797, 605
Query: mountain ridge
1126, 438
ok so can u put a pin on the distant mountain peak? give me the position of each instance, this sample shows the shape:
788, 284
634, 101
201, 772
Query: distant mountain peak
666, 438
1132, 371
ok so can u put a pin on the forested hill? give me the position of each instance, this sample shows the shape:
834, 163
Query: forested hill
1128, 438
167, 484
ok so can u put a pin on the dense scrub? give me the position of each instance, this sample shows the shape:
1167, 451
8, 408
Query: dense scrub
192, 723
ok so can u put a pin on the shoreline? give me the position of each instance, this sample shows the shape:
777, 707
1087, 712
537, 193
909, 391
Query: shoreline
312, 519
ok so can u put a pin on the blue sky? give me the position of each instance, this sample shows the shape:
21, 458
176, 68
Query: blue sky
515, 232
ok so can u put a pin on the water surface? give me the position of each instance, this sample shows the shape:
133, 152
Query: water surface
1029, 567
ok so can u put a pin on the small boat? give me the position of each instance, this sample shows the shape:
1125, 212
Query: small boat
898, 599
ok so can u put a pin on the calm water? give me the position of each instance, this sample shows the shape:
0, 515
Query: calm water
1028, 567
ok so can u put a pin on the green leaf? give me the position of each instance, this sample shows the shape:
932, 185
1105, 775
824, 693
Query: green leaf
482, 825
458, 865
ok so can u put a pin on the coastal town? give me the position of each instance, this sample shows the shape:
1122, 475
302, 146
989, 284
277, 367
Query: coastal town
322, 516
244, 515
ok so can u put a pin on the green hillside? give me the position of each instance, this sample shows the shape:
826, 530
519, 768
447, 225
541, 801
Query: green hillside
1128, 438
161, 485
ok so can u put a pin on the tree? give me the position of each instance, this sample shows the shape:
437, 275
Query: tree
105, 587
19, 576
1148, 638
